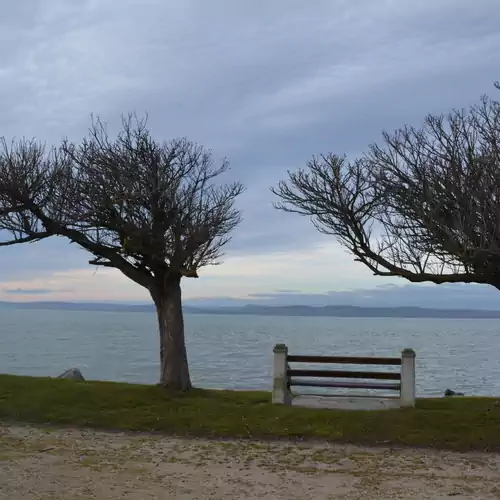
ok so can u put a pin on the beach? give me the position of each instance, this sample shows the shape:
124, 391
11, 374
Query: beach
49, 463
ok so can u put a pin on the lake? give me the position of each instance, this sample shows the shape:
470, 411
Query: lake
236, 351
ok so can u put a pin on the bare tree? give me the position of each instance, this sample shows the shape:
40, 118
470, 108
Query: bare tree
424, 206
148, 209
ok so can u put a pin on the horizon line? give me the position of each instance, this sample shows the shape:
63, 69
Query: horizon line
242, 304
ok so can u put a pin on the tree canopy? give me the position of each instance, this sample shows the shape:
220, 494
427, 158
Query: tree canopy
143, 207
423, 205
151, 210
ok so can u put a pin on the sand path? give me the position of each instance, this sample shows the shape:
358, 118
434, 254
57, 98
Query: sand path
50, 464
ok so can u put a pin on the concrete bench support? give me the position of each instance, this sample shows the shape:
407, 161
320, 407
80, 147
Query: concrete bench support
408, 379
281, 391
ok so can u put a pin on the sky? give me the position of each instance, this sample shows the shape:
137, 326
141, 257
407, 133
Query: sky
267, 84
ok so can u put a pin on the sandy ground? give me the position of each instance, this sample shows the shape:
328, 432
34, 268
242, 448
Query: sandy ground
50, 464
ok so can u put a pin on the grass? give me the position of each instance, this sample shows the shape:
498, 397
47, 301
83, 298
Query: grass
447, 423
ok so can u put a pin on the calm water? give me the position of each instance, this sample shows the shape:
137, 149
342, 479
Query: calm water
236, 351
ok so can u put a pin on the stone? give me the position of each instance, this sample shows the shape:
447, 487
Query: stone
72, 374
449, 393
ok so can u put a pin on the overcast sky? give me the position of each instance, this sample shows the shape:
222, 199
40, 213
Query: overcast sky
267, 83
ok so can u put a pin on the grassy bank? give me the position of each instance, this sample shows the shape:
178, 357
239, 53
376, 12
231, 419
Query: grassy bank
453, 423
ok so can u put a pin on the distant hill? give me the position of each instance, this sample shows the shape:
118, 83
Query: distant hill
353, 312
323, 311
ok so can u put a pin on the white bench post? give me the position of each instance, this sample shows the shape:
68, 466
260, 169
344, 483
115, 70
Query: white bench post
408, 380
281, 393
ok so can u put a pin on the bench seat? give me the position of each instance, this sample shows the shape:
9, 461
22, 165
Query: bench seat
345, 385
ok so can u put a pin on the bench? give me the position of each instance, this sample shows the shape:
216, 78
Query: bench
285, 377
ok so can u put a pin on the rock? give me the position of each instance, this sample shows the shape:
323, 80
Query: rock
449, 392
72, 374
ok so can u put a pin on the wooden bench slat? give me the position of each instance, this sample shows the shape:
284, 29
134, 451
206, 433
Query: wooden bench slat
354, 360
344, 374
345, 385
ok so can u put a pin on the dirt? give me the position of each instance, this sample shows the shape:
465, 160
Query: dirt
68, 464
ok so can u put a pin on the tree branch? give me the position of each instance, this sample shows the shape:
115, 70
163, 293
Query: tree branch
149, 209
424, 206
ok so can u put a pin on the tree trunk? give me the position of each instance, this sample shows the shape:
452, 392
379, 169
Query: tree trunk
173, 356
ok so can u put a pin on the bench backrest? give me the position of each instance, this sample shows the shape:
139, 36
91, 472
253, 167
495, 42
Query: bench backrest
309, 377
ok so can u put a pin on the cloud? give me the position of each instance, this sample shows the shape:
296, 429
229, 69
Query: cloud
252, 279
239, 276
266, 83
28, 291
26, 261
85, 284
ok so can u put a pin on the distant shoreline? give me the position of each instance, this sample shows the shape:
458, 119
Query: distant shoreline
338, 311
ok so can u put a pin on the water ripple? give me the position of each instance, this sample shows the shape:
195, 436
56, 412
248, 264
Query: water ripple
236, 351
